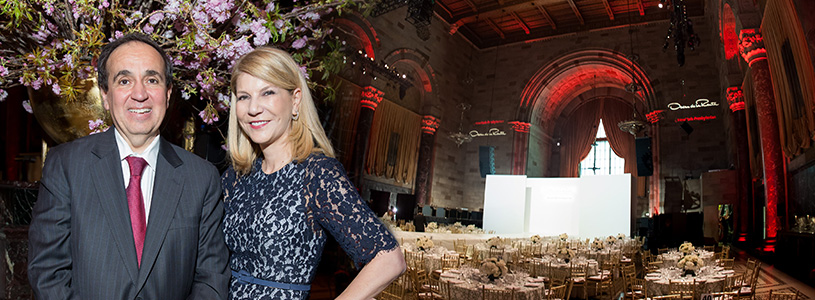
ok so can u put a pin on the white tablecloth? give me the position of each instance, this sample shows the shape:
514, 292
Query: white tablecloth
466, 284
709, 279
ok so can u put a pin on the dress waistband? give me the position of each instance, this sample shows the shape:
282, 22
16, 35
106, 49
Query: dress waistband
244, 277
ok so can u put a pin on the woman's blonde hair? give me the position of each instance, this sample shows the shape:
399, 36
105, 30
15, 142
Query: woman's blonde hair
306, 136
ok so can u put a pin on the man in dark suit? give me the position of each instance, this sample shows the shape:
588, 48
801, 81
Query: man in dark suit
419, 221
124, 214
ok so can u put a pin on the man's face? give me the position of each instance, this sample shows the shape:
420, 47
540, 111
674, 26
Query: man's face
137, 95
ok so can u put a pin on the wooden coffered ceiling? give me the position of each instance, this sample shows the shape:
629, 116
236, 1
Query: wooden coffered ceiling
489, 23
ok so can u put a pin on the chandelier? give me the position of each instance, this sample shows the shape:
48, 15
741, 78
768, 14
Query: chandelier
681, 31
635, 125
460, 137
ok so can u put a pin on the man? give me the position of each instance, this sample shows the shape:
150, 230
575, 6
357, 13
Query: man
124, 214
419, 221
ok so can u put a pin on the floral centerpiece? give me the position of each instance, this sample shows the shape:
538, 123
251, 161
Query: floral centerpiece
53, 44
493, 267
424, 243
565, 254
535, 239
690, 263
597, 245
686, 248
563, 237
495, 242
620, 236
611, 240
432, 226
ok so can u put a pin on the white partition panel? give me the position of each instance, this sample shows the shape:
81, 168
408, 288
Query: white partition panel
553, 206
505, 204
605, 205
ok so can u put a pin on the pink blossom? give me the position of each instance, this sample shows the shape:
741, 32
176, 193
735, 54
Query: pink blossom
279, 23
3, 95
270, 6
218, 10
55, 87
304, 70
147, 29
299, 43
36, 84
97, 126
68, 60
3, 70
185, 95
312, 16
155, 18
225, 147
104, 4
27, 106
208, 117
262, 34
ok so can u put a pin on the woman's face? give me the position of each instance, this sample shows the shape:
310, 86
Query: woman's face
265, 111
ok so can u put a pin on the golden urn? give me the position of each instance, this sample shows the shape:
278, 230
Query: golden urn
65, 120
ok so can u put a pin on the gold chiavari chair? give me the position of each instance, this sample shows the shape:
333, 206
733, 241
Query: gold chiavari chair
685, 288
635, 288
395, 290
422, 287
560, 292
450, 261
444, 290
496, 252
559, 276
711, 248
414, 260
497, 294
662, 250
578, 275
779, 295
726, 251
727, 263
653, 266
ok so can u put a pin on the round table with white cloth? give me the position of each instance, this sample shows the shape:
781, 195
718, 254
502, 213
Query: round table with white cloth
708, 279
466, 284
431, 258
670, 259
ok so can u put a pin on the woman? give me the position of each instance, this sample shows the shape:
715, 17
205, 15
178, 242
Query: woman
284, 191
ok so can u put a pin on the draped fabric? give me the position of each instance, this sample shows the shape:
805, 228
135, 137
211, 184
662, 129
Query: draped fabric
621, 142
346, 112
793, 78
393, 149
577, 137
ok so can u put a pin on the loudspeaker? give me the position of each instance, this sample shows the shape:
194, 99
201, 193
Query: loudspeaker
645, 165
486, 160
686, 127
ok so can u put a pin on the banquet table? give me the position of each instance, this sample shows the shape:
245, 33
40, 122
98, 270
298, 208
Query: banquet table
550, 262
708, 279
670, 258
466, 284
431, 258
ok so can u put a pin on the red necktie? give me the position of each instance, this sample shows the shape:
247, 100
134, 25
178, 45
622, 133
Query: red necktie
135, 203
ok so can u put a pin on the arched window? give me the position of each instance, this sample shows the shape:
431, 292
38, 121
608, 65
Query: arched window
601, 160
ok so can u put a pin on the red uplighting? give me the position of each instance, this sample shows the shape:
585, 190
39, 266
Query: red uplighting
371, 97
520, 126
655, 116
727, 29
697, 118
751, 46
430, 124
737, 106
489, 122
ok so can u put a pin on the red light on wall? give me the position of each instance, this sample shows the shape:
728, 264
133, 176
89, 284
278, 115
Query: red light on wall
698, 118
430, 124
519, 126
751, 46
489, 122
371, 97
655, 116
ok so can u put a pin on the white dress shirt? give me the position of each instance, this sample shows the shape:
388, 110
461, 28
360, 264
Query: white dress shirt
148, 176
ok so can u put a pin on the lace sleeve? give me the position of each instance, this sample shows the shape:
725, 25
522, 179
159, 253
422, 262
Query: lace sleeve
338, 208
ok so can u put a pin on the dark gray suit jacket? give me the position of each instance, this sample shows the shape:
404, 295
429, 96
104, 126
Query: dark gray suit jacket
81, 242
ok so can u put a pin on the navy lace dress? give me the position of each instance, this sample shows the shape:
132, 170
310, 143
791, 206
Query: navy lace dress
275, 224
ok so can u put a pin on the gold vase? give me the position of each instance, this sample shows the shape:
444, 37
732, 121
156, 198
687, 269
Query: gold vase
65, 120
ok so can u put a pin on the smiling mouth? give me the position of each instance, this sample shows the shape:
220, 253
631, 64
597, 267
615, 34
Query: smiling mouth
140, 110
258, 124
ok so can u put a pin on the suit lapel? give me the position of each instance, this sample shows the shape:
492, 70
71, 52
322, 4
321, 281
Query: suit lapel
111, 195
167, 188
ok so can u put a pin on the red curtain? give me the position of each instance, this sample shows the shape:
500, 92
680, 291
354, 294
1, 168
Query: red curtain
578, 136
621, 142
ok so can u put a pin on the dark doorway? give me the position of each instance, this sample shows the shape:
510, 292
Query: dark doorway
379, 202
405, 204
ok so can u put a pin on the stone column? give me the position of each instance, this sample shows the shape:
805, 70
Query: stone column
743, 208
424, 167
751, 47
370, 99
520, 147
654, 197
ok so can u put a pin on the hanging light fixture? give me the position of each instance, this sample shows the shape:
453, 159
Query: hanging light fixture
460, 137
635, 125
